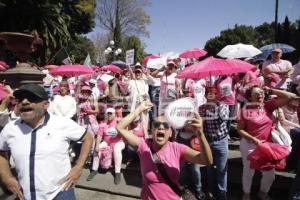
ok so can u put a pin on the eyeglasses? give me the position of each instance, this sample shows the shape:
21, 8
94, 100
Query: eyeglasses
137, 72
31, 99
157, 124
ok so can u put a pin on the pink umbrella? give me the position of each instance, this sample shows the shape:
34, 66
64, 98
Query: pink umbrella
2, 68
214, 67
50, 67
72, 70
112, 68
146, 58
95, 68
4, 64
193, 53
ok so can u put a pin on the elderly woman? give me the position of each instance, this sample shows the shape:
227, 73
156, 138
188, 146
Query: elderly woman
108, 137
88, 109
255, 126
138, 91
169, 85
160, 155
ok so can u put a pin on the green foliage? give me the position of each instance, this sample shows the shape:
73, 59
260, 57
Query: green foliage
82, 15
133, 42
239, 34
56, 21
79, 47
259, 36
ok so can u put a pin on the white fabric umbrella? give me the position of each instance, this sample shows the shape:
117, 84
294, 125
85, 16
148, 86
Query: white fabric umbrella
239, 51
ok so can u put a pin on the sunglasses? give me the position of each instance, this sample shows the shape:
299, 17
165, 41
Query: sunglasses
137, 72
31, 98
157, 124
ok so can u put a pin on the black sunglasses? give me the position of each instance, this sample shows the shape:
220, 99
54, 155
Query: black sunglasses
157, 124
31, 98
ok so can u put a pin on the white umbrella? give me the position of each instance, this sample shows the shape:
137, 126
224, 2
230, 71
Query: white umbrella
239, 51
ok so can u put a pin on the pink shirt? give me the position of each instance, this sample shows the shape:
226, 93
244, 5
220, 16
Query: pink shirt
139, 130
258, 121
154, 187
109, 133
226, 91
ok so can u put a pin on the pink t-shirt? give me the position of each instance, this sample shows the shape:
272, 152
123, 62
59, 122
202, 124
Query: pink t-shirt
154, 187
109, 133
139, 130
258, 122
226, 91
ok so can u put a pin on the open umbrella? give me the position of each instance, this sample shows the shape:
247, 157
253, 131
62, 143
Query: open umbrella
95, 68
146, 58
51, 67
4, 64
192, 53
267, 50
72, 70
119, 63
2, 68
284, 47
239, 51
112, 68
214, 67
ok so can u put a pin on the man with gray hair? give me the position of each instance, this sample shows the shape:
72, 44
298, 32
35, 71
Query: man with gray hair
38, 143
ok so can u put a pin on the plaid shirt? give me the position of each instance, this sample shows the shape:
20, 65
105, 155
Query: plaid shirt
215, 119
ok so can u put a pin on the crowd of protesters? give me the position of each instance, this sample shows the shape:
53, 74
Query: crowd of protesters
124, 110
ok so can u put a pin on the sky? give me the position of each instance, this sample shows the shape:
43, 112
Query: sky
177, 25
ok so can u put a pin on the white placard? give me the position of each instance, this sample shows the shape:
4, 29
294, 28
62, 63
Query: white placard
157, 63
180, 111
130, 57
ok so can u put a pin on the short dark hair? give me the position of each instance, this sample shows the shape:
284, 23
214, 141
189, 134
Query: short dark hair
249, 92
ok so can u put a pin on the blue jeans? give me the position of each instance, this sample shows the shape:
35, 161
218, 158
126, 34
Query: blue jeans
66, 195
295, 156
190, 174
217, 172
295, 190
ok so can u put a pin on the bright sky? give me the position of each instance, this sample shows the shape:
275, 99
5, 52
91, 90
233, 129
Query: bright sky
177, 25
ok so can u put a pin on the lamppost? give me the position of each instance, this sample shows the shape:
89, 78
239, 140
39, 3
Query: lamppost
112, 49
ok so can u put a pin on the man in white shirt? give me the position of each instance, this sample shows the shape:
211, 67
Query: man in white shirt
278, 67
39, 144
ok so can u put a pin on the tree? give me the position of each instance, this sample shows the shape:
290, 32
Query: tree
286, 35
133, 42
100, 43
132, 17
54, 20
239, 34
79, 47
265, 34
82, 15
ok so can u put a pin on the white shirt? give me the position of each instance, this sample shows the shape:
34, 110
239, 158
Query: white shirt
200, 92
41, 154
64, 106
280, 66
95, 92
296, 74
